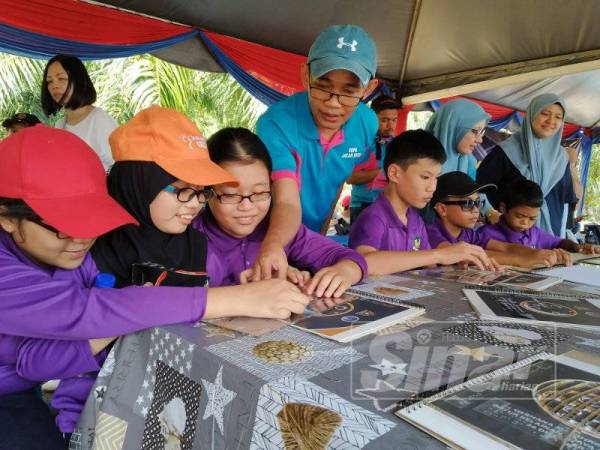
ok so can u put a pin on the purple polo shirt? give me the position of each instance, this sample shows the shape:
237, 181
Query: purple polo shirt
41, 306
228, 256
535, 237
380, 227
437, 233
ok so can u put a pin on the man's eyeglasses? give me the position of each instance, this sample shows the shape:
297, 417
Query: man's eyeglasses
343, 99
39, 221
468, 204
478, 132
233, 199
184, 195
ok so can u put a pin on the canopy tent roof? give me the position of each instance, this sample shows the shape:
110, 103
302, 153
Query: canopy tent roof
502, 52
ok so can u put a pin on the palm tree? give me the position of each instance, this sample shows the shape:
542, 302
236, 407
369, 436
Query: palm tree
20, 86
127, 85
212, 100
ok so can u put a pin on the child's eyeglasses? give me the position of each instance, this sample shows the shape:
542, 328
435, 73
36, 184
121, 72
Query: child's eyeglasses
38, 221
184, 195
467, 205
233, 199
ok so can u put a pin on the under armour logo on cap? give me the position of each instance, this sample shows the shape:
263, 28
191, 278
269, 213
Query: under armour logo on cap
343, 43
337, 48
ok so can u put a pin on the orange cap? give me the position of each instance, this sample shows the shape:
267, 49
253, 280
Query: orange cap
172, 141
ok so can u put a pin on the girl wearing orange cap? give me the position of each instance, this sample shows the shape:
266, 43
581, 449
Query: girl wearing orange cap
49, 219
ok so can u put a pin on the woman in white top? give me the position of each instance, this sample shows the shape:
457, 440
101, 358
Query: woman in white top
67, 84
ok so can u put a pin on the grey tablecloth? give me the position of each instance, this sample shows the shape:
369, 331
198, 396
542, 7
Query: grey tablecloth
204, 387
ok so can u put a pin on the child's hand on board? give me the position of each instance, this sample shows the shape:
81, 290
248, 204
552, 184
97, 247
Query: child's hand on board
299, 277
273, 299
563, 257
589, 249
333, 281
543, 258
466, 254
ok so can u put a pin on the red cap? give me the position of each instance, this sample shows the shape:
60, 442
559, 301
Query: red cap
61, 178
346, 201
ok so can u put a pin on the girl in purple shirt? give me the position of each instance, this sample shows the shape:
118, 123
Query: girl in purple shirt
53, 204
64, 306
236, 222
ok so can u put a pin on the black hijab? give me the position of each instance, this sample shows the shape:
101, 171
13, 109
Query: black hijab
135, 184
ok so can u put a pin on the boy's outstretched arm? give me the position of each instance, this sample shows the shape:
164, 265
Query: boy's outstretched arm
286, 217
520, 256
383, 262
574, 247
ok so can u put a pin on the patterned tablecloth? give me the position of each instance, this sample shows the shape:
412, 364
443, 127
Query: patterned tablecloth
205, 387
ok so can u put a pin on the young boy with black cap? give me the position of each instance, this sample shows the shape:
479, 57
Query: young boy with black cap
457, 204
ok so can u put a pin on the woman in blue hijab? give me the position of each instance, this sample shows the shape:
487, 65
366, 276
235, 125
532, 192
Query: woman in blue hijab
534, 153
459, 125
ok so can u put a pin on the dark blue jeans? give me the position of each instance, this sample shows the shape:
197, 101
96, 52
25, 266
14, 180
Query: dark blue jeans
26, 424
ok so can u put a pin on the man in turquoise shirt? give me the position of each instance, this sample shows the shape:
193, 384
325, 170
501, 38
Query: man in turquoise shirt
316, 138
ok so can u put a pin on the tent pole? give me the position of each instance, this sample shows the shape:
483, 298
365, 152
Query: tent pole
411, 34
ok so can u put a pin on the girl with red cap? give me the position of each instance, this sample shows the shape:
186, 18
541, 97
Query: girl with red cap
53, 205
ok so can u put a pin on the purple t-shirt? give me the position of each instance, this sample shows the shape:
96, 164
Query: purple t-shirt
535, 237
437, 233
228, 256
47, 315
379, 227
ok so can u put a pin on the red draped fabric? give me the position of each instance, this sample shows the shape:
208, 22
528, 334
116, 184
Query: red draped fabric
77, 21
83, 22
278, 69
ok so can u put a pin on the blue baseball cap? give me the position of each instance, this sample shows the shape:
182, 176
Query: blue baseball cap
345, 47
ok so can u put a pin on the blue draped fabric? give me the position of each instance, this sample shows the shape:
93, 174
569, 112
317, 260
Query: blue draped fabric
34, 45
503, 122
261, 91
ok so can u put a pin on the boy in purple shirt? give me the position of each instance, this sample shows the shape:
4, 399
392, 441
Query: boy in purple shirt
236, 221
389, 232
520, 208
457, 204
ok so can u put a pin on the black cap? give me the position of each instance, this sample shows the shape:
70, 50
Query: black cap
384, 102
26, 119
456, 184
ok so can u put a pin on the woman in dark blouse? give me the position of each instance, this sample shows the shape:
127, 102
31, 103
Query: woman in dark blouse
534, 153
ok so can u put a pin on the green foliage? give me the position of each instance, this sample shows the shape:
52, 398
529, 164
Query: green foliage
418, 120
20, 86
128, 85
592, 197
